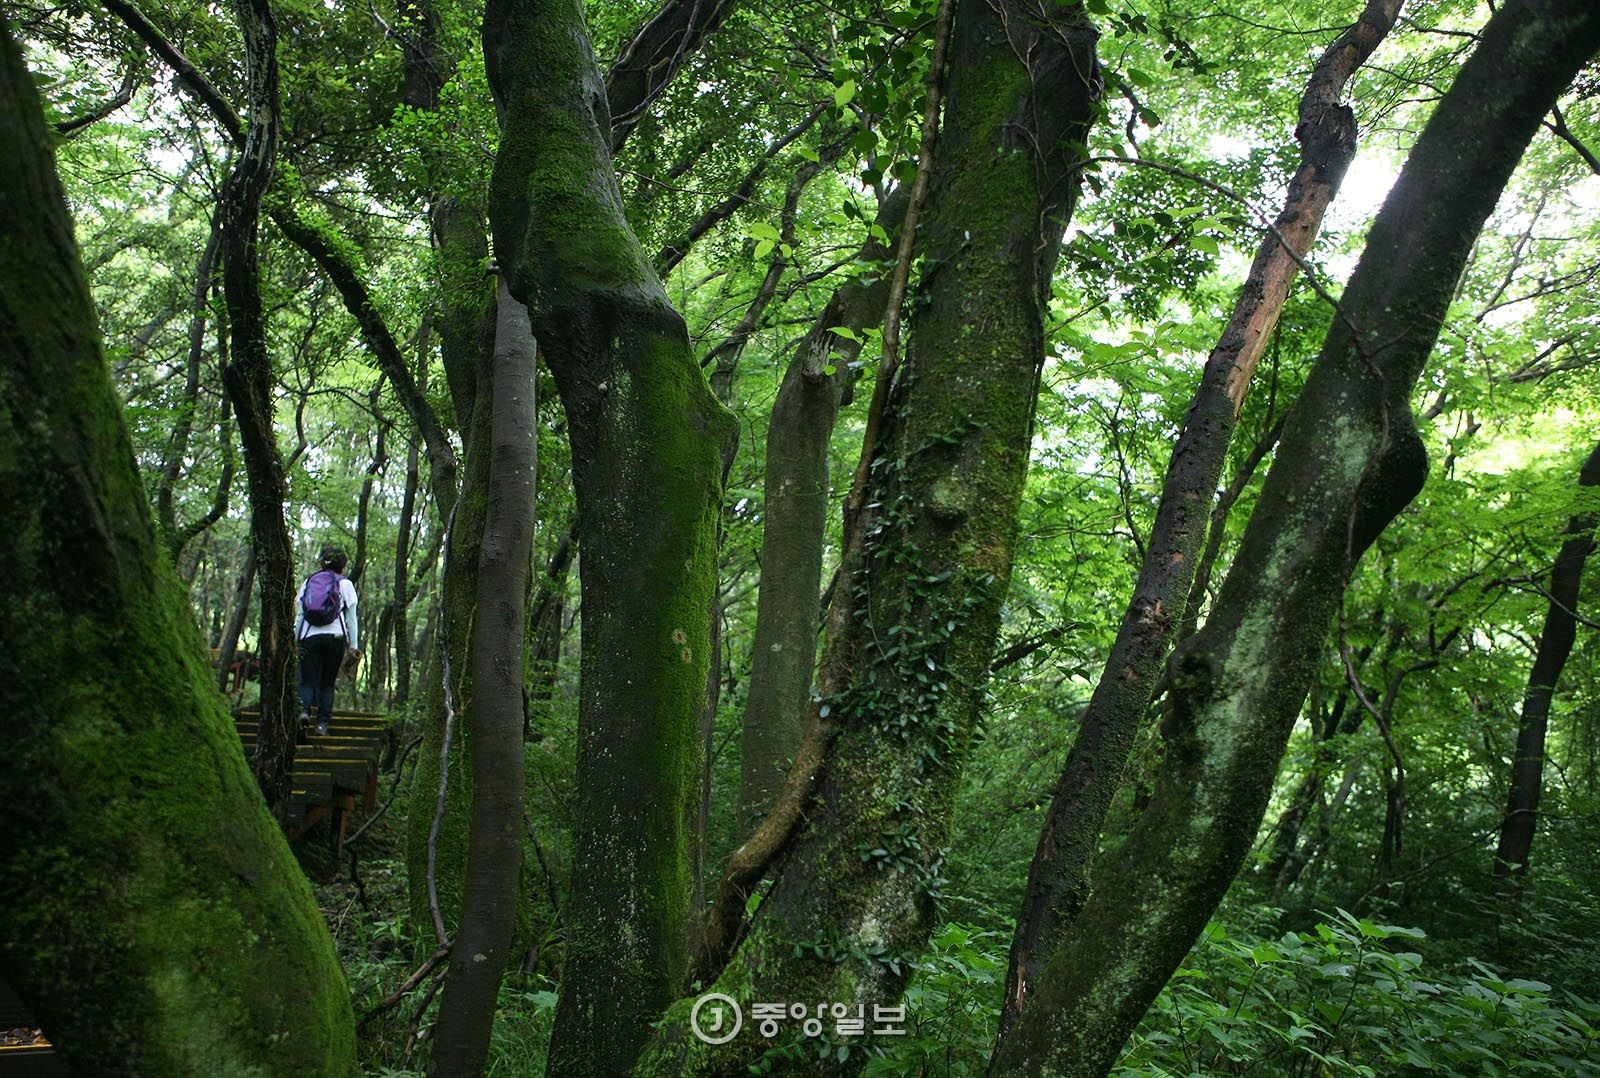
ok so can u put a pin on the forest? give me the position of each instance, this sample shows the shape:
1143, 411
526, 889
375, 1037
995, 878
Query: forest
893, 537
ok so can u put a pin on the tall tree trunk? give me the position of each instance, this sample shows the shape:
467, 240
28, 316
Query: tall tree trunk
903, 672
794, 527
219, 501
238, 614
1058, 876
464, 319
250, 384
178, 444
547, 616
1555, 644
1350, 460
647, 448
156, 922
403, 591
380, 461
494, 855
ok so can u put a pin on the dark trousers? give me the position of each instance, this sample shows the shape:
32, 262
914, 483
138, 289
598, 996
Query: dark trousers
320, 656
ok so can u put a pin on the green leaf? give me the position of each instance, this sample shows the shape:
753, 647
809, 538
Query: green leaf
844, 93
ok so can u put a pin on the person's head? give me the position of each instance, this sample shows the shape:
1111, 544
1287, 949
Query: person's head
333, 557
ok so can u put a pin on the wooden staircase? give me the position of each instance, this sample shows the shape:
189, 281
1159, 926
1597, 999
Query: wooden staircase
331, 771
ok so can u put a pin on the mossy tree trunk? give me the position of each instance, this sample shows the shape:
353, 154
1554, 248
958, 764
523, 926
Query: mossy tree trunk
437, 837
404, 590
494, 855
1058, 875
648, 442
250, 382
156, 922
1550, 657
853, 899
1350, 459
794, 528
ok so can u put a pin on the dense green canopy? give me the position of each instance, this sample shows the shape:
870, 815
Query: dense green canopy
1372, 773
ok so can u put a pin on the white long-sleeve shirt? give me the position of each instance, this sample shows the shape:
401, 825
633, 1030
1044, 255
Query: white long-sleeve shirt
344, 625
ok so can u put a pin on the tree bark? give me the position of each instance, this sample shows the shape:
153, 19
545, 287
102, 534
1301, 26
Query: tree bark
250, 384
1515, 848
1350, 460
494, 853
794, 526
403, 591
1058, 876
178, 445
238, 614
156, 922
852, 903
648, 443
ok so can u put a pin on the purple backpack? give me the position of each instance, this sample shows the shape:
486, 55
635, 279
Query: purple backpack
320, 599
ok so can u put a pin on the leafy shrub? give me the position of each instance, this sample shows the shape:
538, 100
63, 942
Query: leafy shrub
1344, 999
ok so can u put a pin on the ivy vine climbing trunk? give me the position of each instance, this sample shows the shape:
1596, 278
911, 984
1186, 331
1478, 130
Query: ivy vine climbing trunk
794, 527
156, 922
1550, 655
250, 384
1057, 880
851, 902
648, 444
1350, 459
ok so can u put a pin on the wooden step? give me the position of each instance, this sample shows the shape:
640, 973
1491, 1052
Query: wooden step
330, 770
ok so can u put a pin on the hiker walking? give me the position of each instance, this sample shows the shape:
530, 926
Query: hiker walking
325, 625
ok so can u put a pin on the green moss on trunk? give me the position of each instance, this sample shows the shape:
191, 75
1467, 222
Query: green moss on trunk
156, 921
853, 903
648, 443
1350, 459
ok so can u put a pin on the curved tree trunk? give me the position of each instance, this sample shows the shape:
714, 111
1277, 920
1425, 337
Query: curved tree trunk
238, 614
1350, 460
156, 923
403, 589
178, 444
648, 444
250, 383
1555, 644
1058, 875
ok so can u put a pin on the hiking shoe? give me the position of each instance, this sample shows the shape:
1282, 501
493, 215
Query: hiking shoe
322, 729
